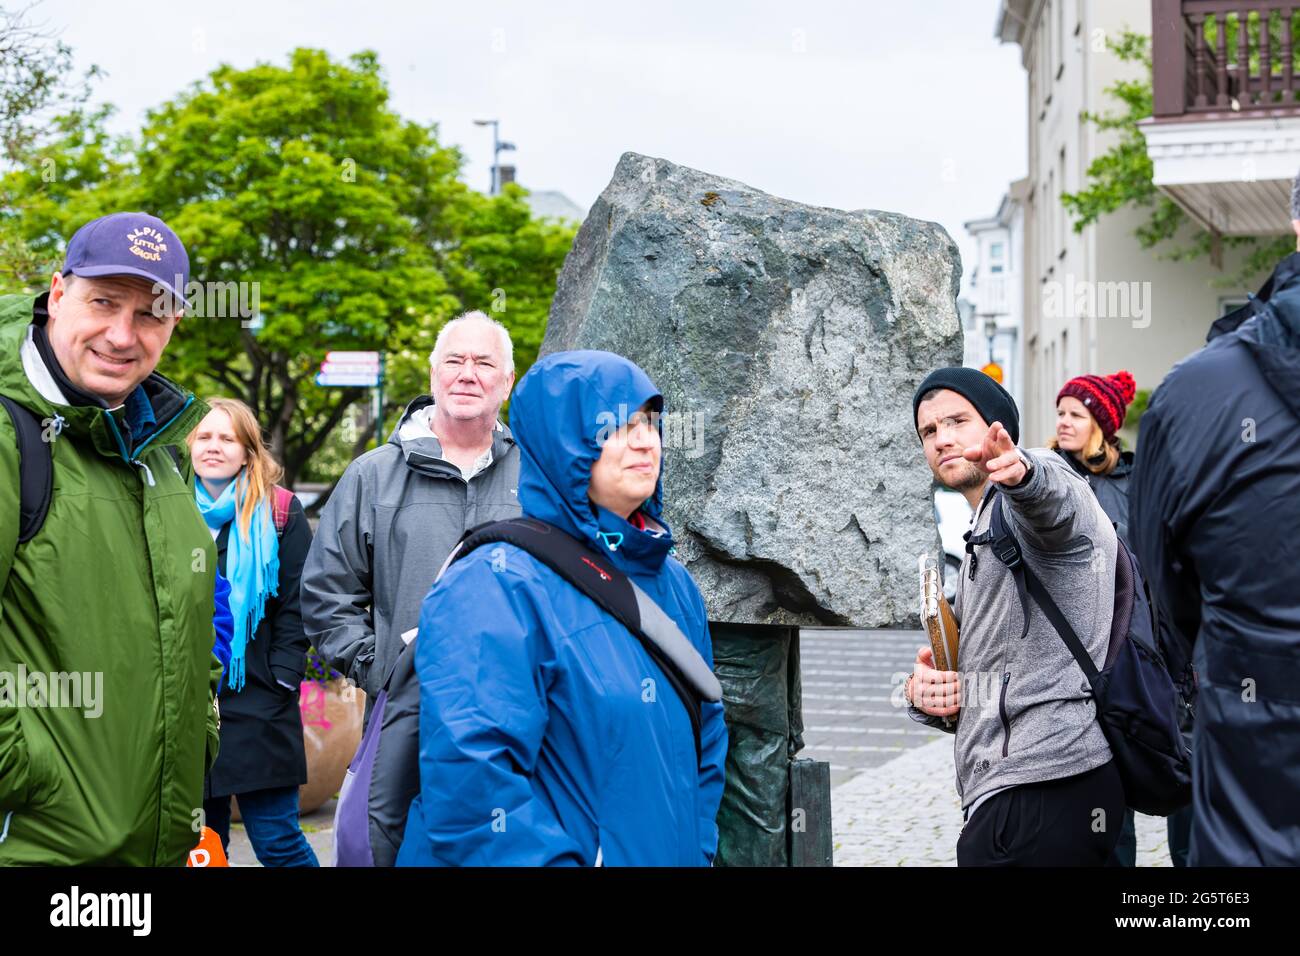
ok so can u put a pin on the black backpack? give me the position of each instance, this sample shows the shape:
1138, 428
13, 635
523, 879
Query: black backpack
35, 469
384, 775
1139, 694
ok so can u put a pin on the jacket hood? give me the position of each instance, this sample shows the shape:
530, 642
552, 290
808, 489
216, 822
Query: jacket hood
423, 452
562, 411
1272, 334
1124, 467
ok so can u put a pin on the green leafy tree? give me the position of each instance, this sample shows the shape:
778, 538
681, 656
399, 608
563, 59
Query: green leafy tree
1123, 177
299, 191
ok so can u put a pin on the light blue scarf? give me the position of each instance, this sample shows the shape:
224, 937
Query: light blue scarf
252, 564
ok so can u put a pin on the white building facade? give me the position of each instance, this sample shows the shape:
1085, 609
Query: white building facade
992, 321
1093, 301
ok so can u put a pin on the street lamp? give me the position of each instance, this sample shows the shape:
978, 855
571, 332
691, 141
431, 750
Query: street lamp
990, 330
498, 147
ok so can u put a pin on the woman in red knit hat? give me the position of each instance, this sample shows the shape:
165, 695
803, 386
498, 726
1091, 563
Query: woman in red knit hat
1089, 411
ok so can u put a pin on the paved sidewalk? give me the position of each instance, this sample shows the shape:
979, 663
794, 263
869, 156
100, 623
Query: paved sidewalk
901, 813
905, 813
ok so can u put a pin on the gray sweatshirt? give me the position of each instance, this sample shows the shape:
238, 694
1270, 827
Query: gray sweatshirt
1026, 712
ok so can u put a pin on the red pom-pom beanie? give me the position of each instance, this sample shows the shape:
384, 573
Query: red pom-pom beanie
1107, 397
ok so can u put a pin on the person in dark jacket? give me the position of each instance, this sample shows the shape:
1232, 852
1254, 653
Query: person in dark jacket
261, 761
1215, 525
1089, 412
548, 735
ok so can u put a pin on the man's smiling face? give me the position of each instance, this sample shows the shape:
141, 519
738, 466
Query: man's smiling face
469, 379
106, 332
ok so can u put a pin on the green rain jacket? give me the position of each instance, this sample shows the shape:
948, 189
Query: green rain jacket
107, 676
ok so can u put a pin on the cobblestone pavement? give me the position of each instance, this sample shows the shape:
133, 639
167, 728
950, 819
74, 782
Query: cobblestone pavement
850, 713
894, 798
905, 813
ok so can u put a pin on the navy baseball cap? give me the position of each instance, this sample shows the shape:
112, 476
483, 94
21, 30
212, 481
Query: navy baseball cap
132, 244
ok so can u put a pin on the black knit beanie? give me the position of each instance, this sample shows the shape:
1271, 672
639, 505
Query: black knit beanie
991, 400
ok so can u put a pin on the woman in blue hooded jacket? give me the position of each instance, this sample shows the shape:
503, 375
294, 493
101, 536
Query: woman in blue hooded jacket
548, 736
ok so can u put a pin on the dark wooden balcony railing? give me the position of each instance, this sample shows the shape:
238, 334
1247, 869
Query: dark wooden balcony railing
1205, 63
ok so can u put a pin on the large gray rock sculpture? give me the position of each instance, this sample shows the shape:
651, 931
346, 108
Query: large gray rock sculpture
787, 340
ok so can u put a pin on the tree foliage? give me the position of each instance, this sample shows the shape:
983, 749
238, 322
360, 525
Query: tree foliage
298, 189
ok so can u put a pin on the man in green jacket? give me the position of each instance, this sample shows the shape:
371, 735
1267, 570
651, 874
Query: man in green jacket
107, 677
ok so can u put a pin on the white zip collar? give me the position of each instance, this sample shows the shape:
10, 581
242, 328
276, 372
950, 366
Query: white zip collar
37, 373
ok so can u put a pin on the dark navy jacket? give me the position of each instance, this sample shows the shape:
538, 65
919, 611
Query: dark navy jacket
1111, 490
1215, 520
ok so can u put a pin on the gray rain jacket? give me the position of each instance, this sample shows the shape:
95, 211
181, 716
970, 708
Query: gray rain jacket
392, 520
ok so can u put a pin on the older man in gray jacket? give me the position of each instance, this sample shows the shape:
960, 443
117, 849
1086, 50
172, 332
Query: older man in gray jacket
399, 510
1034, 772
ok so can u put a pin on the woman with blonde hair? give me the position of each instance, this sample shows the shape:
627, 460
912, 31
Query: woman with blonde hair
262, 539
1089, 412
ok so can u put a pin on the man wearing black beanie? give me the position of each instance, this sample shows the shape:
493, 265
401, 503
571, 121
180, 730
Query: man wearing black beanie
978, 402
991, 400
1034, 772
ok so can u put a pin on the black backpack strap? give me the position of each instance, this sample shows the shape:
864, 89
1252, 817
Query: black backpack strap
1007, 548
615, 593
1004, 545
35, 470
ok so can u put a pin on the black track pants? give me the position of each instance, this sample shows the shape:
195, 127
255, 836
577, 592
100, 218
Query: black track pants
1073, 821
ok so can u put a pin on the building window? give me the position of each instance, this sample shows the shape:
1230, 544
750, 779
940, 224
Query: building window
1050, 37
1060, 207
1060, 38
996, 257
1052, 231
1045, 56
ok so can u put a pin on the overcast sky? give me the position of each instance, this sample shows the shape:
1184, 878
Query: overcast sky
909, 105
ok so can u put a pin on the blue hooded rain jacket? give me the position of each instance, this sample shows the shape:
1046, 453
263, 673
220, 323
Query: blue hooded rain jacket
547, 733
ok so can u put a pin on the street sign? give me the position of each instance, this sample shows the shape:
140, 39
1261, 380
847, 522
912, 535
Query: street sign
354, 369
348, 380
354, 358
348, 368
994, 371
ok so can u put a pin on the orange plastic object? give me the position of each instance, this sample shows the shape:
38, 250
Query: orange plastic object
209, 851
